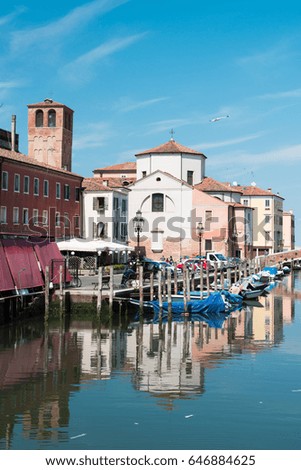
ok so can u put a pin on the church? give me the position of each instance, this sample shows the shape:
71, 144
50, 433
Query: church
184, 213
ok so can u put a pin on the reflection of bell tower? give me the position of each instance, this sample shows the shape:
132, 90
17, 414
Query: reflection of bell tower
50, 127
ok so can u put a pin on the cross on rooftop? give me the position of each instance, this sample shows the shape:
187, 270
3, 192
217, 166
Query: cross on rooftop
172, 132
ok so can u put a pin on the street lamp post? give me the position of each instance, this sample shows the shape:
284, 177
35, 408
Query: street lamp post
200, 231
138, 222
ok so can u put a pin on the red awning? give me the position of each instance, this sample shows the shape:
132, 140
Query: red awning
6, 280
49, 254
22, 263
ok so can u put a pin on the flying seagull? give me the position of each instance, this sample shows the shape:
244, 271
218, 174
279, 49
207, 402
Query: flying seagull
219, 118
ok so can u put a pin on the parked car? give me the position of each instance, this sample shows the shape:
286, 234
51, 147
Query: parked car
193, 264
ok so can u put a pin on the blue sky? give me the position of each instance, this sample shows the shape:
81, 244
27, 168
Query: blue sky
132, 70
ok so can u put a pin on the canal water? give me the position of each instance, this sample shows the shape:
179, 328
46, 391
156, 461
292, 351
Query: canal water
120, 383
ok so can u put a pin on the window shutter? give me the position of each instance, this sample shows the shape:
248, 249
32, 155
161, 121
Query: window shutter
95, 203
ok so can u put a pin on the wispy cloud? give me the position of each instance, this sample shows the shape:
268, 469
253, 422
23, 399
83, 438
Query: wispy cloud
161, 126
98, 53
77, 18
224, 143
11, 16
285, 155
125, 105
282, 94
268, 57
10, 84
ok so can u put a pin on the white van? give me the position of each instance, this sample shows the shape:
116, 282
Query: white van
217, 258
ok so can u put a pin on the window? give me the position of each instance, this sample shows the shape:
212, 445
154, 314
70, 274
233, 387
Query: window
123, 231
208, 245
15, 215
36, 183
115, 203
190, 177
157, 202
57, 219
39, 118
267, 219
45, 217
58, 190
124, 206
51, 118
3, 215
245, 202
17, 183
35, 217
76, 221
25, 217
116, 230
100, 204
77, 194
267, 203
66, 192
100, 230
4, 184
143, 174
26, 185
46, 188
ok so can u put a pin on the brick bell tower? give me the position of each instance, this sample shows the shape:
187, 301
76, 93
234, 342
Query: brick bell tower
50, 126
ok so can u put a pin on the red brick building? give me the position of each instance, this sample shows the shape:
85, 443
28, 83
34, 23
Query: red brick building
37, 199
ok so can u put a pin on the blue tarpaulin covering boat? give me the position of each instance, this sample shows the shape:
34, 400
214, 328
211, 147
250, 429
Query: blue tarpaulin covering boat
212, 309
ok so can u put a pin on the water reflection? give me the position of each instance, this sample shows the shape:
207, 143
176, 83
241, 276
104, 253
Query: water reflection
43, 365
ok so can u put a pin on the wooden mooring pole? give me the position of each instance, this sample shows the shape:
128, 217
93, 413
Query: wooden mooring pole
47, 293
61, 290
169, 291
201, 281
151, 286
111, 286
140, 280
99, 291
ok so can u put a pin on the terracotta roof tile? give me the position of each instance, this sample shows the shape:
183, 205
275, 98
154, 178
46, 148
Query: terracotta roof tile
170, 147
95, 184
47, 103
211, 185
106, 184
118, 167
21, 157
255, 191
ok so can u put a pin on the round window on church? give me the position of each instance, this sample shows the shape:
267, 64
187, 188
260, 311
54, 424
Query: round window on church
158, 179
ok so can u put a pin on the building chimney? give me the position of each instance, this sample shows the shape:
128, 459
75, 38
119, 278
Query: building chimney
13, 132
